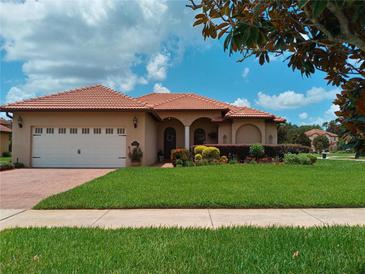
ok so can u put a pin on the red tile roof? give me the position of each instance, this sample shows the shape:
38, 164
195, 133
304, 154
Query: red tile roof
4, 122
319, 132
190, 101
95, 97
99, 98
182, 101
4, 129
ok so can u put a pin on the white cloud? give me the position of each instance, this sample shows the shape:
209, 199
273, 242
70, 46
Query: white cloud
158, 88
241, 102
66, 44
303, 115
330, 113
157, 67
245, 72
291, 99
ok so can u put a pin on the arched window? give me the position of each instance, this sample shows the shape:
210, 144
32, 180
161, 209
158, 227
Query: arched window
199, 136
248, 134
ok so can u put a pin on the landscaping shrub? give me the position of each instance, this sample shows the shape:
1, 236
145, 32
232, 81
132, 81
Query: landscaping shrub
188, 163
297, 159
136, 154
233, 161
198, 157
257, 151
312, 157
241, 152
202, 163
211, 153
223, 159
180, 153
179, 163
6, 154
199, 149
6, 166
18, 165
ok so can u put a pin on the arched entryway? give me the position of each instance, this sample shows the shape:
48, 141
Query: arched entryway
169, 141
248, 134
203, 131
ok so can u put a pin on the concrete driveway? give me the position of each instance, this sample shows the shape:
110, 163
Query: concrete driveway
23, 188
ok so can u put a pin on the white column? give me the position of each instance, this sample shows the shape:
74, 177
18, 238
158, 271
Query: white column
187, 137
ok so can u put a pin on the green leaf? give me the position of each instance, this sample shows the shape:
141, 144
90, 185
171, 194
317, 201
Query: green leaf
262, 59
318, 7
302, 3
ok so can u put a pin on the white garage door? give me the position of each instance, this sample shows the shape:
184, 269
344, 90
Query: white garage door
78, 147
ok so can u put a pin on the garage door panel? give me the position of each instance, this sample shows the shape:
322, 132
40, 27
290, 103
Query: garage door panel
78, 150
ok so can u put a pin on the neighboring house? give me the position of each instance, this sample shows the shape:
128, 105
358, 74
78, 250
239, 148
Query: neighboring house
5, 137
96, 126
332, 138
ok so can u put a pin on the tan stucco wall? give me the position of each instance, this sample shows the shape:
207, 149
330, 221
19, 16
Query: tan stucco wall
4, 142
22, 137
188, 117
150, 153
225, 133
271, 129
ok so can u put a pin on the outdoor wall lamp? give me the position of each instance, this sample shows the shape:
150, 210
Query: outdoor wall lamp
20, 121
135, 121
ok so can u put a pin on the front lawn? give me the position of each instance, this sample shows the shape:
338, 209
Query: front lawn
325, 184
229, 250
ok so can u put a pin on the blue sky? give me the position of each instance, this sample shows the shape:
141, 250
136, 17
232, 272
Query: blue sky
141, 47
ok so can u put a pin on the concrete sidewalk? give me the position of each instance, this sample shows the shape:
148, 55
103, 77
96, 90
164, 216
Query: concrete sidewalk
204, 218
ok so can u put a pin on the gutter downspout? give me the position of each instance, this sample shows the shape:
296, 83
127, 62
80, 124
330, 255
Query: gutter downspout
8, 115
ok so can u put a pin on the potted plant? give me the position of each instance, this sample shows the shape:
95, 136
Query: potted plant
135, 155
160, 156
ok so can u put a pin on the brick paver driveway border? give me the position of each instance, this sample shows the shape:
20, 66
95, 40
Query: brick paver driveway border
23, 188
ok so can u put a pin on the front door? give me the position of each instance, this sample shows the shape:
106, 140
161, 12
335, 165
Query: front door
169, 141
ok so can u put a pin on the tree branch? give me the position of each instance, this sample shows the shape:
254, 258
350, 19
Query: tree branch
345, 28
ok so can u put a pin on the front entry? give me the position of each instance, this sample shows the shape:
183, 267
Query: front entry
169, 141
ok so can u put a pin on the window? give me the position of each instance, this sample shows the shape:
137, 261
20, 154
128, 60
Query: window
50, 130
120, 130
97, 130
39, 130
73, 130
85, 131
199, 136
61, 131
109, 131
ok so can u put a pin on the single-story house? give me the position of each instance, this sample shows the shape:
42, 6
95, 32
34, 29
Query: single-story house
332, 137
96, 126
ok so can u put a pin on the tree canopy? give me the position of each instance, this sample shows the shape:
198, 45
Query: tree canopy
324, 35
321, 143
292, 134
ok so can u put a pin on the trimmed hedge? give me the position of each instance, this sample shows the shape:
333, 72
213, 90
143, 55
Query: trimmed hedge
241, 152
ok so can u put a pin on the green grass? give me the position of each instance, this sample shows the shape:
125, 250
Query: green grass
325, 184
5, 160
233, 250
